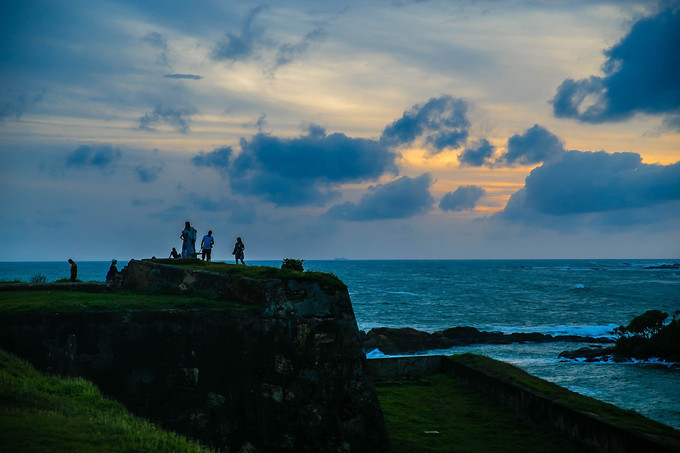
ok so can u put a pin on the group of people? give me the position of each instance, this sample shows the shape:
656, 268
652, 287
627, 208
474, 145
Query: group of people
111, 275
189, 236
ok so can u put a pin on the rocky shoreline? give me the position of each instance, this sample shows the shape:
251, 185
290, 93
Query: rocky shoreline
408, 340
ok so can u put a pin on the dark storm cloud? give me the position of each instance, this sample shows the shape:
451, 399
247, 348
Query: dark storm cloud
399, 199
218, 158
148, 174
641, 75
178, 119
306, 169
241, 46
100, 156
463, 198
594, 182
441, 121
535, 145
477, 155
183, 76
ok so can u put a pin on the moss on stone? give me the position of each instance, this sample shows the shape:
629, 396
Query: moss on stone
325, 279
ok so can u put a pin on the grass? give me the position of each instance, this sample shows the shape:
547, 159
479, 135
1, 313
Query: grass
72, 301
325, 279
40, 413
623, 418
464, 420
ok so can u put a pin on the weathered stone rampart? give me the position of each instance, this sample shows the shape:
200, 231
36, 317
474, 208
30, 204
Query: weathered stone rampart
282, 371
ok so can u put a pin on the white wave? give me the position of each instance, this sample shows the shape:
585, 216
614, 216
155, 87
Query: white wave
408, 293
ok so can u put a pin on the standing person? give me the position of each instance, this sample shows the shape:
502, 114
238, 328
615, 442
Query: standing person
239, 247
207, 245
188, 237
113, 271
74, 269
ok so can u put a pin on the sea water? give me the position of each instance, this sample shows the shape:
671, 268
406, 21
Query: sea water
570, 297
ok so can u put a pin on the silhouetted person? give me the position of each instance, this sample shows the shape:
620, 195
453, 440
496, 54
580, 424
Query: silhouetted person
174, 253
113, 271
239, 248
207, 245
74, 270
188, 237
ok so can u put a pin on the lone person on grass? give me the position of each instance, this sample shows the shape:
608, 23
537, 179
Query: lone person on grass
239, 247
74, 270
207, 245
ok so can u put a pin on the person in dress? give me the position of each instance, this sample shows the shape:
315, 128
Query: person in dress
113, 271
239, 248
188, 237
74, 269
207, 245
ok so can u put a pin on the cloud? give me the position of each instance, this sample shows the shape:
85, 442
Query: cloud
399, 199
177, 119
593, 182
477, 155
641, 75
442, 122
16, 103
463, 198
288, 52
218, 158
100, 156
148, 174
183, 76
241, 46
537, 144
304, 170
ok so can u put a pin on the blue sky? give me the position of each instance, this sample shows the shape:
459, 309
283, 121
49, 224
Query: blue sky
386, 129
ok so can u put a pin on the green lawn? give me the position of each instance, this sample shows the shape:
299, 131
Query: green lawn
440, 413
40, 413
53, 301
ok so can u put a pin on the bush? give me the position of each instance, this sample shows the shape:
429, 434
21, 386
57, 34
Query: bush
39, 279
292, 264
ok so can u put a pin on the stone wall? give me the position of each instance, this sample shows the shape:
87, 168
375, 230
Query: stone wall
283, 372
587, 428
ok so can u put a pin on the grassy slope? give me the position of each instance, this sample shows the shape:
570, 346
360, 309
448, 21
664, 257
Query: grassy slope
465, 420
54, 301
626, 419
40, 413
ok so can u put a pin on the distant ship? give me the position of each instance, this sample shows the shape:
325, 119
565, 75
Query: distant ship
340, 259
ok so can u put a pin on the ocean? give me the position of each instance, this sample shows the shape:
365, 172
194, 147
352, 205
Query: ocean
581, 297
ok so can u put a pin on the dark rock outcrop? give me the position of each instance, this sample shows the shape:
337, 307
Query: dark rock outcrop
407, 340
283, 371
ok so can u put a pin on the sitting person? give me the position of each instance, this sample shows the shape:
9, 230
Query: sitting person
174, 253
113, 271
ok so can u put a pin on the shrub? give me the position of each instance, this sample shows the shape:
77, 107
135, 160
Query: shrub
39, 279
646, 325
292, 264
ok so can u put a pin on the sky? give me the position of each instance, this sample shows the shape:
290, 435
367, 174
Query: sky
346, 129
